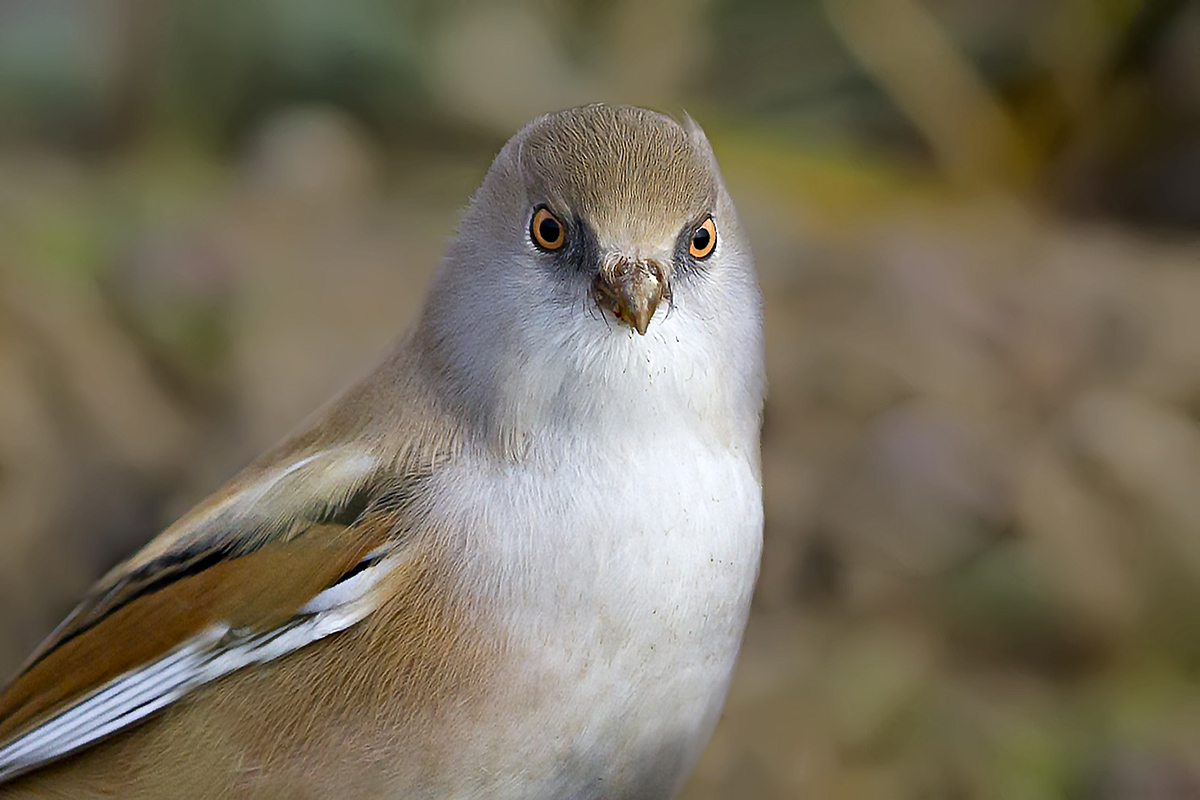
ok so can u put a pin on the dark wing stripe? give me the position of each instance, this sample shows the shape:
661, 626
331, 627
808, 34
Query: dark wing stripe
171, 568
156, 575
351, 510
222, 610
215, 652
368, 562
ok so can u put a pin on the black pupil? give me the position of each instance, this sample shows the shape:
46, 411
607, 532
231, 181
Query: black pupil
700, 239
549, 230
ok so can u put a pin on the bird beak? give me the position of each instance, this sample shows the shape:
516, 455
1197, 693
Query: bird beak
631, 290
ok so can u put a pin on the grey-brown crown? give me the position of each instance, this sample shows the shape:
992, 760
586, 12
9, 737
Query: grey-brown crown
616, 165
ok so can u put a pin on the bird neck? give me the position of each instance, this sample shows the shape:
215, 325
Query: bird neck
586, 381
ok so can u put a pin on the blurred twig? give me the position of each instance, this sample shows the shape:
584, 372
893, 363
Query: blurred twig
1142, 38
904, 48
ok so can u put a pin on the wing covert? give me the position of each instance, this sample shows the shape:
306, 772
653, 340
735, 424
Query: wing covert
193, 605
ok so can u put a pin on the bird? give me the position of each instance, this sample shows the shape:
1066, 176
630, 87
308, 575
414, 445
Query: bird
516, 560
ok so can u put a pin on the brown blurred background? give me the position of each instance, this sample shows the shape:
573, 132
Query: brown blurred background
978, 232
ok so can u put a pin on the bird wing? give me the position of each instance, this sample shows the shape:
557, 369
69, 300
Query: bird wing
194, 604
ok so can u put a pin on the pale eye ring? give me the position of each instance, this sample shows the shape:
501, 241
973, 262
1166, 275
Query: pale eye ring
547, 230
704, 239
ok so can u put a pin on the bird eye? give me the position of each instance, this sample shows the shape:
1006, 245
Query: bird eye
546, 230
704, 239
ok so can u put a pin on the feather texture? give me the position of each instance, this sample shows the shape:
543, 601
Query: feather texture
216, 651
198, 610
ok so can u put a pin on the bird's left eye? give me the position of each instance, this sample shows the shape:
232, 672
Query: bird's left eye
546, 230
704, 239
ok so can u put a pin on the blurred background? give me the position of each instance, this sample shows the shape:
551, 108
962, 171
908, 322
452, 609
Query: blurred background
977, 225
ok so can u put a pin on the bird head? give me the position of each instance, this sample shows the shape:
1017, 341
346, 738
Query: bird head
602, 243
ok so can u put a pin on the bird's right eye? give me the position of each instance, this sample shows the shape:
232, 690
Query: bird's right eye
546, 230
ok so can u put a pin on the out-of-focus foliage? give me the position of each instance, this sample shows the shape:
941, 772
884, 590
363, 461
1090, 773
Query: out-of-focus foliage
976, 227
228, 60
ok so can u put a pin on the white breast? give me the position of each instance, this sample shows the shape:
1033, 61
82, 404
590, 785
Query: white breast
621, 572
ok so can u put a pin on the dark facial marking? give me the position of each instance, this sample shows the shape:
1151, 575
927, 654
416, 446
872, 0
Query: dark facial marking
690, 242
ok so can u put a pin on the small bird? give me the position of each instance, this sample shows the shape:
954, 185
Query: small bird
515, 561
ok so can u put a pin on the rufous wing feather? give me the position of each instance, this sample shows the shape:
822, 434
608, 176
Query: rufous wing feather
200, 608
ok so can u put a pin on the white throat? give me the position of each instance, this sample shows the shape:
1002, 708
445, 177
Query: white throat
591, 378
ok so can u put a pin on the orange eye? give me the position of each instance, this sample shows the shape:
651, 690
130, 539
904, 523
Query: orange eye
546, 230
704, 239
